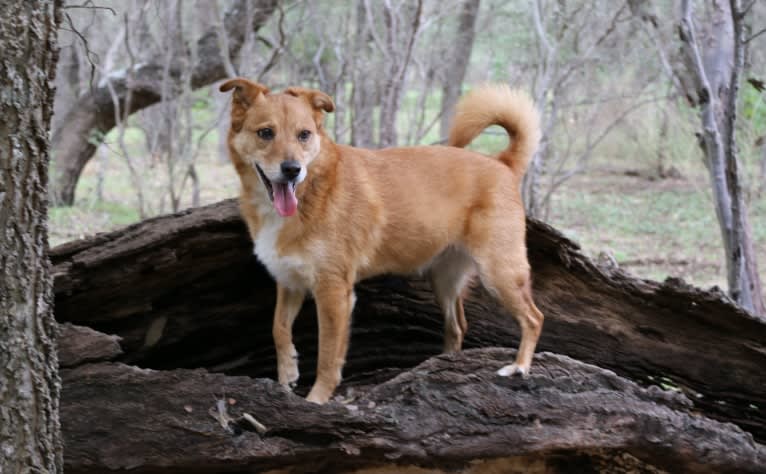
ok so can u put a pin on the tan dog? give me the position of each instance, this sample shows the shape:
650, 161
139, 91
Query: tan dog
324, 216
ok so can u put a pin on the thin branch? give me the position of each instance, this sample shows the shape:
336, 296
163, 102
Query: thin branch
89, 5
747, 8
539, 28
277, 51
374, 32
223, 42
88, 51
751, 38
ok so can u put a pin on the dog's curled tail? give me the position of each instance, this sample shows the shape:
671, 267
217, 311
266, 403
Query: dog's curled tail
498, 104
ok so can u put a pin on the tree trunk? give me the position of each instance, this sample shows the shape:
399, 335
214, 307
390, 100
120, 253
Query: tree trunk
745, 282
185, 291
364, 94
715, 73
92, 116
547, 98
460, 56
398, 56
29, 382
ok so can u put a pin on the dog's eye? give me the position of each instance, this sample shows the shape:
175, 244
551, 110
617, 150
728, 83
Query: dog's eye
304, 135
265, 133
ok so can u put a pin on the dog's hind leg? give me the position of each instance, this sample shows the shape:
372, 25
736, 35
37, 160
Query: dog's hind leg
508, 278
449, 274
289, 303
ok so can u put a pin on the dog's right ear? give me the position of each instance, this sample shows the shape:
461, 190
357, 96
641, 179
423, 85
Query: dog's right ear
318, 100
245, 94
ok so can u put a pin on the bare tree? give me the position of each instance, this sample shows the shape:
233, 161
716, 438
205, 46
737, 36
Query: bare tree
173, 136
364, 94
30, 439
169, 129
92, 115
367, 57
458, 59
332, 57
401, 25
572, 40
714, 60
122, 109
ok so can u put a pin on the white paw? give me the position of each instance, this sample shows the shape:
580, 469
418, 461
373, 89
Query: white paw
318, 395
289, 375
513, 369
287, 369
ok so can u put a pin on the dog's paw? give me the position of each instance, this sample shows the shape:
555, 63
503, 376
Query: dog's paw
288, 373
513, 369
319, 395
287, 368
289, 376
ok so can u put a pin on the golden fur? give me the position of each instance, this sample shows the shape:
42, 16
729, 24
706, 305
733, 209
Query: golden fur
443, 210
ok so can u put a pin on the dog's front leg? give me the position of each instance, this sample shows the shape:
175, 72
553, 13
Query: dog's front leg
334, 301
289, 303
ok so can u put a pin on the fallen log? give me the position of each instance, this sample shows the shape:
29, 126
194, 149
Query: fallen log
184, 291
78, 345
450, 413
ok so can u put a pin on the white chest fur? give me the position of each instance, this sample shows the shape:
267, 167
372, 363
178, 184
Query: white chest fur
294, 271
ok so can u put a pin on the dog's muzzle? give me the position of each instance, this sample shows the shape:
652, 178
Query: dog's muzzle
282, 191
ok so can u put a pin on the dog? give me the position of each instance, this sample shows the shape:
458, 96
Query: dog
324, 216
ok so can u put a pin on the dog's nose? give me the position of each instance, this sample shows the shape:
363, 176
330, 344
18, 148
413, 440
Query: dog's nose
290, 169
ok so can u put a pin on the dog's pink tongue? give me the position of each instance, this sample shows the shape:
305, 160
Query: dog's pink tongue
285, 201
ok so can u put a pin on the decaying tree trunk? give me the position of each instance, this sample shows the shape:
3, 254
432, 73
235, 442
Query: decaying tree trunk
93, 115
185, 292
448, 412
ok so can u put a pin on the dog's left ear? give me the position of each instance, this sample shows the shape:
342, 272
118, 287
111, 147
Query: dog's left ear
318, 100
245, 91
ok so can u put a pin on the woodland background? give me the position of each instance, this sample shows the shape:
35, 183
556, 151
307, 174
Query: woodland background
621, 170
148, 348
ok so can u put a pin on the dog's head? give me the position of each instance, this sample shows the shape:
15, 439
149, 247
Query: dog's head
277, 134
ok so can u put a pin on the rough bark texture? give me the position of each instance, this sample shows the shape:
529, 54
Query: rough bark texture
459, 57
185, 291
446, 413
91, 117
29, 383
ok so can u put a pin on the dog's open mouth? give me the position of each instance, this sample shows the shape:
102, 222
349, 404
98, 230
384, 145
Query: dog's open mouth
282, 194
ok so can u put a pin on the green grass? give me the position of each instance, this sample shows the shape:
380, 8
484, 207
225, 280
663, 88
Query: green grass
656, 228
70, 223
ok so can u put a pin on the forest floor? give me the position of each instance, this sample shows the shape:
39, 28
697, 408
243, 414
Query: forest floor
654, 228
